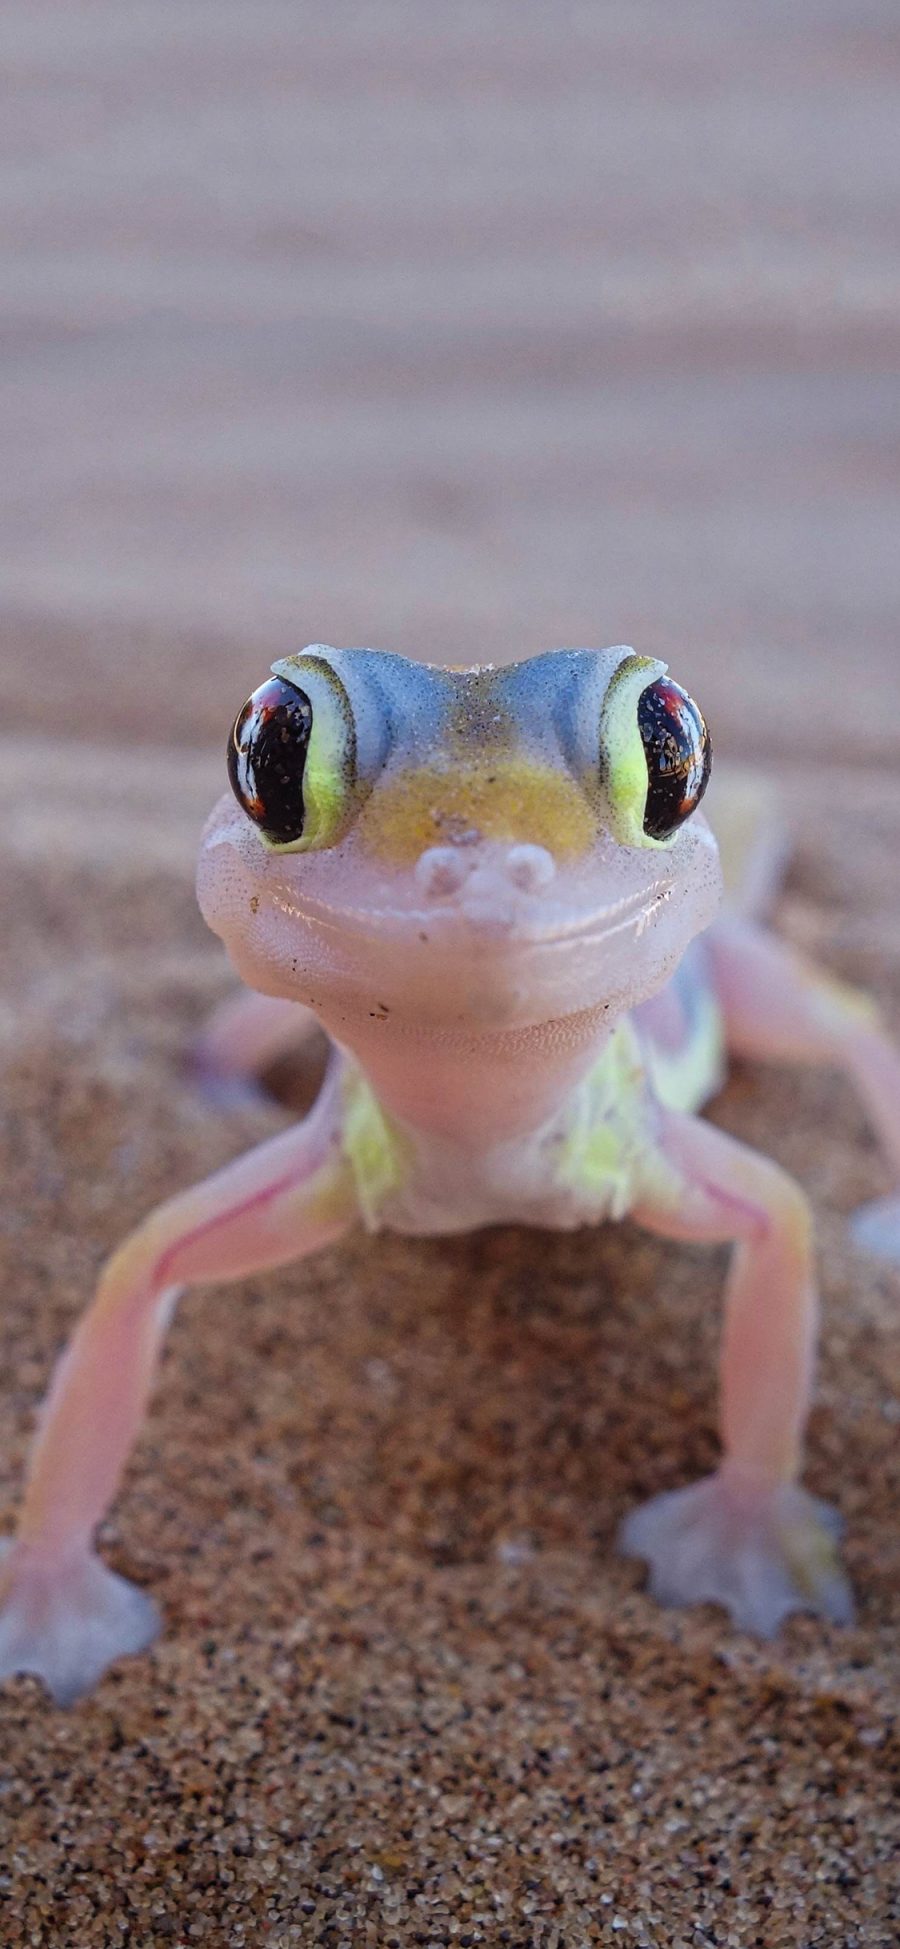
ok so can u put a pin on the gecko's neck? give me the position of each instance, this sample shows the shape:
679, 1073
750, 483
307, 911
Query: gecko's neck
475, 1090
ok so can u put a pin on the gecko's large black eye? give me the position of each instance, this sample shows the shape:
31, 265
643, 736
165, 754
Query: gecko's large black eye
267, 759
678, 754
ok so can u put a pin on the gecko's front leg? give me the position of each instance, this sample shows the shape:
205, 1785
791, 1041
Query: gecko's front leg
63, 1614
749, 1536
780, 1007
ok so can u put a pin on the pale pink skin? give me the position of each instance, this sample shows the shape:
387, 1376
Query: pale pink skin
474, 985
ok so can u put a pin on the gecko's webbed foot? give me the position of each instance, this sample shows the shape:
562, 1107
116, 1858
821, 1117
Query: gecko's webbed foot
66, 1621
760, 1552
875, 1228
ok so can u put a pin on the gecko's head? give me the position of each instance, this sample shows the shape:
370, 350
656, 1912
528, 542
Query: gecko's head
473, 849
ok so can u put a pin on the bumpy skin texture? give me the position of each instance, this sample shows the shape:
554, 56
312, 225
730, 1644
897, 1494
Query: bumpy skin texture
526, 1011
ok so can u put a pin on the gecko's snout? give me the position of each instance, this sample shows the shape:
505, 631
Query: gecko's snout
470, 877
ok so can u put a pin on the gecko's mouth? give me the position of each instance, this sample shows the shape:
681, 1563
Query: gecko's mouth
485, 923
473, 937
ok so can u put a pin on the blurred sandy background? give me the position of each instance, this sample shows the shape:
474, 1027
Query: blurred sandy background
464, 331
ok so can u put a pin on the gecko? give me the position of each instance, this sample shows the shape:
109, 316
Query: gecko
497, 891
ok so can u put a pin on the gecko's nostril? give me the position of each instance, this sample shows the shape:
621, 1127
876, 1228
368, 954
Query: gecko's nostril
486, 873
440, 872
530, 867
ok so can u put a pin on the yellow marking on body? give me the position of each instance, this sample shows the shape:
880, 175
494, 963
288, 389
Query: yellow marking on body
685, 1078
606, 1148
517, 802
377, 1154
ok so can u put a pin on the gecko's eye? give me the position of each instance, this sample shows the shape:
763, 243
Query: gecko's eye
267, 758
678, 753
655, 753
291, 756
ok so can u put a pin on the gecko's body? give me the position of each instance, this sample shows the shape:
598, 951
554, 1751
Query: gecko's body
586, 1163
493, 890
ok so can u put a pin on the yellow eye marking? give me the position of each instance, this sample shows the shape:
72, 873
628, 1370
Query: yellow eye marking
624, 762
520, 803
329, 774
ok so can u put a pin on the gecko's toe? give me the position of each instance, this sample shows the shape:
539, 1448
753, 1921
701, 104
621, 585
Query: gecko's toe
875, 1228
67, 1621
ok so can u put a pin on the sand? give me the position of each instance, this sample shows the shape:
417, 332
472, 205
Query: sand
406, 1693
